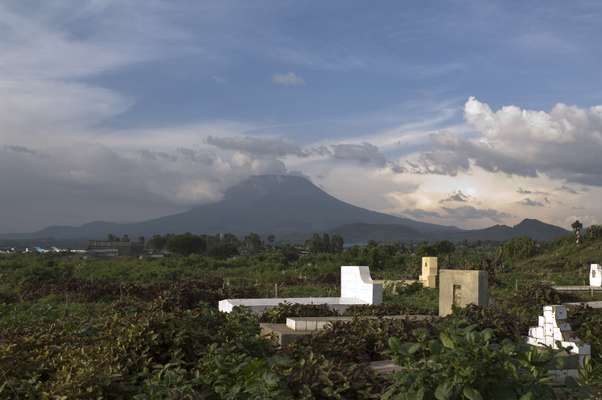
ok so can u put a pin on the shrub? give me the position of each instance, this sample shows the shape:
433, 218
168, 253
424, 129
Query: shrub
468, 364
361, 340
593, 232
504, 324
385, 309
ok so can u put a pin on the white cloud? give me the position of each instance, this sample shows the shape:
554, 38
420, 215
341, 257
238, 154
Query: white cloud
289, 79
563, 143
66, 166
33, 110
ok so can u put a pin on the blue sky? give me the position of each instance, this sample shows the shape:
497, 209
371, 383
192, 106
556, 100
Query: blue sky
420, 100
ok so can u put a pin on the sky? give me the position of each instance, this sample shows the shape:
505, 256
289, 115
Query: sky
458, 112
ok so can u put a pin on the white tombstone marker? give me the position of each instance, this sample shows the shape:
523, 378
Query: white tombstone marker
357, 288
595, 275
357, 283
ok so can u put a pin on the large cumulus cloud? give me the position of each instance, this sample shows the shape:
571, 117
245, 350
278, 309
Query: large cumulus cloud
564, 143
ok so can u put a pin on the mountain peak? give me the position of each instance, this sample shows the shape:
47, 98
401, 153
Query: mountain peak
265, 185
292, 204
530, 222
535, 228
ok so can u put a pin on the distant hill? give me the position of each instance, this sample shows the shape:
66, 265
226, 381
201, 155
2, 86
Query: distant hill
532, 228
362, 233
291, 207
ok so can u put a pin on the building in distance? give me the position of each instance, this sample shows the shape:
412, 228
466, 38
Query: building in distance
116, 247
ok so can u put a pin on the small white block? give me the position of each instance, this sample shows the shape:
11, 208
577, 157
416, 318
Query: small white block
311, 325
300, 325
541, 321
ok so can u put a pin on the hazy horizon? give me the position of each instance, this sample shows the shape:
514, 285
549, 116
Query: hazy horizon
457, 113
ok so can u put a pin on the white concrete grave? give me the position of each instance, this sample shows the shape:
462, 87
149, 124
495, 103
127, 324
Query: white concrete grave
595, 275
357, 288
553, 331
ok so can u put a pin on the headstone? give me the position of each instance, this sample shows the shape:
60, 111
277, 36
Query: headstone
357, 283
555, 332
357, 288
428, 278
461, 288
595, 275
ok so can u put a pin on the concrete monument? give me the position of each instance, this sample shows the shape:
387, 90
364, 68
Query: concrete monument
461, 288
428, 278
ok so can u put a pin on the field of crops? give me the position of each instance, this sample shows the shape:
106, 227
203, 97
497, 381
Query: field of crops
72, 328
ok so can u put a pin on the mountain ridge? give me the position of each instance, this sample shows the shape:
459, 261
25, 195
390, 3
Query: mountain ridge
284, 205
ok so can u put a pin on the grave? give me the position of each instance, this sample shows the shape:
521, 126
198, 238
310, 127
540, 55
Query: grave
357, 288
319, 323
555, 332
461, 288
595, 282
595, 275
298, 327
428, 278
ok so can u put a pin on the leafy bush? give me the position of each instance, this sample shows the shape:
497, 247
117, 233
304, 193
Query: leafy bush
361, 340
593, 232
517, 249
189, 293
114, 356
386, 309
468, 364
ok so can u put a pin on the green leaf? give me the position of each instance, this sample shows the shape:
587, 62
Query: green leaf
488, 335
418, 395
414, 348
394, 344
446, 340
444, 391
435, 346
471, 394
527, 396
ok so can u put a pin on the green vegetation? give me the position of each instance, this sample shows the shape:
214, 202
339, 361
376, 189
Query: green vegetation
74, 328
